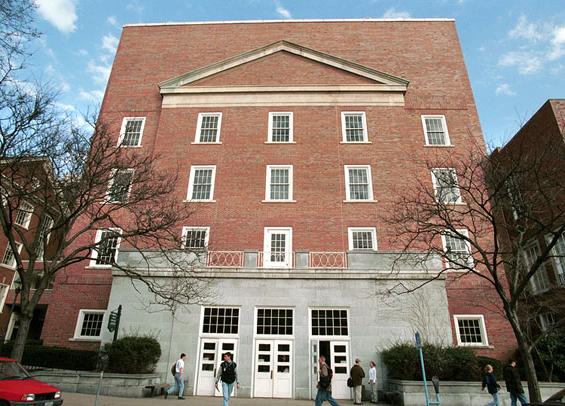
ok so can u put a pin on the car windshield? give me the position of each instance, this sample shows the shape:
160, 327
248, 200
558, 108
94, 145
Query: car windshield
12, 370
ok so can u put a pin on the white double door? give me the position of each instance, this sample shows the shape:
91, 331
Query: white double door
337, 357
273, 369
211, 351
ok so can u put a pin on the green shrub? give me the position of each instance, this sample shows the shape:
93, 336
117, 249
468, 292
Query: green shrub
496, 364
54, 357
133, 354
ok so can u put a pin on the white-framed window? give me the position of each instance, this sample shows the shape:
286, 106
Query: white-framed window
329, 322
108, 243
23, 215
280, 127
446, 188
89, 324
358, 183
44, 233
354, 127
119, 186
435, 130
9, 258
195, 238
208, 128
558, 256
539, 282
362, 238
201, 183
277, 247
470, 330
274, 321
4, 289
279, 183
131, 132
547, 320
457, 250
220, 320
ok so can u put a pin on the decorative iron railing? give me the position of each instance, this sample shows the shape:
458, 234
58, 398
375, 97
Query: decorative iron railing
225, 259
337, 260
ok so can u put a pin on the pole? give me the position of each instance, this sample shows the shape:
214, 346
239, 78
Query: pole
424, 377
98, 389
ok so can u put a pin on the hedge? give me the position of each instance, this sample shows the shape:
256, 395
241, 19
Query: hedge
54, 357
133, 354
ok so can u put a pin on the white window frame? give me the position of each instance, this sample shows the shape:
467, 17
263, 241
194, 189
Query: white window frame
444, 126
199, 127
111, 183
185, 231
267, 243
482, 327
39, 252
290, 123
373, 232
465, 232
193, 170
123, 131
271, 336
329, 337
80, 321
369, 178
8, 248
94, 253
28, 214
268, 183
219, 335
540, 275
435, 184
343, 128
4, 289
558, 266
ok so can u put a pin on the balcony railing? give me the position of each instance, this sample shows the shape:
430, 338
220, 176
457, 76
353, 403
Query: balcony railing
325, 260
225, 259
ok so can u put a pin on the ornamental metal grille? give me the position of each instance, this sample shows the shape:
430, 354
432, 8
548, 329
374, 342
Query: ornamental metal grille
202, 184
274, 321
219, 320
108, 247
435, 131
358, 184
278, 247
23, 214
362, 240
280, 128
195, 238
132, 133
470, 331
92, 324
329, 323
120, 186
354, 128
280, 184
447, 189
209, 127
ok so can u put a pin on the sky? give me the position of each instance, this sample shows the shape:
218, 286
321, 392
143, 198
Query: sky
514, 49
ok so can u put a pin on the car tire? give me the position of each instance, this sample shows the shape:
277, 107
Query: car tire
4, 403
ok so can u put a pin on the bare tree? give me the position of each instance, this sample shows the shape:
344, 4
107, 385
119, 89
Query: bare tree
482, 214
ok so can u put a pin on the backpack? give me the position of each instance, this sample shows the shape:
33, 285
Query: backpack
325, 381
228, 372
174, 369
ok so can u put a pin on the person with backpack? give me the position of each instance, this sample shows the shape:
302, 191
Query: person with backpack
178, 372
325, 384
227, 373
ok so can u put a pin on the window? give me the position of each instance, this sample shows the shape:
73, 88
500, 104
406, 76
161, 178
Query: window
458, 250
274, 321
279, 183
515, 196
195, 238
23, 214
358, 183
208, 128
277, 248
547, 320
354, 127
220, 320
201, 183
435, 130
329, 322
539, 282
445, 185
9, 258
107, 244
44, 234
119, 186
89, 324
280, 127
131, 132
4, 289
362, 239
470, 330
558, 254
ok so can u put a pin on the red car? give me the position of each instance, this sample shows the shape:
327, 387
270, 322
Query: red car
18, 388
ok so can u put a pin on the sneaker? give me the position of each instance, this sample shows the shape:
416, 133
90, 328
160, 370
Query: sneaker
181, 398
166, 394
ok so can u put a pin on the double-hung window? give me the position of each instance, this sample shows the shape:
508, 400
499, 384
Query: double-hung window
107, 243
208, 128
195, 238
445, 185
9, 258
279, 183
23, 214
280, 128
89, 324
435, 130
201, 183
558, 254
539, 282
358, 183
277, 247
470, 330
457, 250
44, 233
131, 132
354, 127
119, 186
362, 238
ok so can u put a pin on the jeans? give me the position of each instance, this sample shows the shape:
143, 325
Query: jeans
226, 390
374, 395
494, 401
514, 397
324, 395
179, 385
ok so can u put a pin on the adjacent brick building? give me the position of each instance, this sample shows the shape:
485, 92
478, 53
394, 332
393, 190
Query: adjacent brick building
291, 139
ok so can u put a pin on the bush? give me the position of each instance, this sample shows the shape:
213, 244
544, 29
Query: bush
133, 354
496, 364
54, 357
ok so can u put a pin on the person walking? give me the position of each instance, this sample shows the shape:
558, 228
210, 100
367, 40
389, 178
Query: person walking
179, 378
324, 384
373, 381
514, 384
357, 374
227, 373
489, 381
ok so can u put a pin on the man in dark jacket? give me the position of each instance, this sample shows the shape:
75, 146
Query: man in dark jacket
357, 374
514, 384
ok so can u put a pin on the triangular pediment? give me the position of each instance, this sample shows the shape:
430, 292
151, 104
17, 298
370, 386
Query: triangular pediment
277, 64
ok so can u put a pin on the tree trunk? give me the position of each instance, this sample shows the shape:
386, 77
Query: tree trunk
20, 341
533, 384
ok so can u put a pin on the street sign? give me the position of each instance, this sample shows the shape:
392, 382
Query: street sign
418, 340
114, 321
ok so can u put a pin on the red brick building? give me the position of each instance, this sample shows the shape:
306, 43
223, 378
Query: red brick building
291, 139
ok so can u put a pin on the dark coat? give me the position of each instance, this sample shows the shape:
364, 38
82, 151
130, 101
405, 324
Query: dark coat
512, 380
489, 381
357, 374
